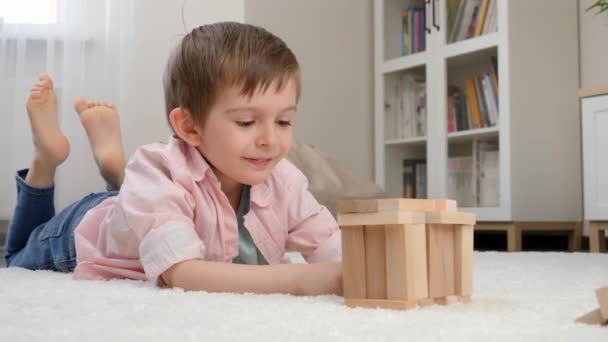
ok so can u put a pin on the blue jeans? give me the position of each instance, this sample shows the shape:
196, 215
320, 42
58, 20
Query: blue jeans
37, 238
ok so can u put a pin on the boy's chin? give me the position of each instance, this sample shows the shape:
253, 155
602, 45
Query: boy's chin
255, 180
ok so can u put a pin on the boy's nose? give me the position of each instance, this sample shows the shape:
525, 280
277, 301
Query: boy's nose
267, 136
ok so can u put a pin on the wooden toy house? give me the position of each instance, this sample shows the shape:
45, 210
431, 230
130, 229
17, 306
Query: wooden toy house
400, 253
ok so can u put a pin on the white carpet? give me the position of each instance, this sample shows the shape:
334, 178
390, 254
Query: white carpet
517, 297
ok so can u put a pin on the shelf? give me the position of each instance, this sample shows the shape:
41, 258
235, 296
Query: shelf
405, 62
415, 141
471, 45
487, 214
473, 133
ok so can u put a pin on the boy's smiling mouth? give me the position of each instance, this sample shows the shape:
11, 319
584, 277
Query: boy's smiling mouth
259, 163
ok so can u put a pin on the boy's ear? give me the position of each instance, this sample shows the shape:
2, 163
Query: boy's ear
185, 127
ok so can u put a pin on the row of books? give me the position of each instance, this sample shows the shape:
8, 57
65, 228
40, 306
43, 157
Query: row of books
470, 18
475, 106
414, 178
473, 180
413, 22
405, 107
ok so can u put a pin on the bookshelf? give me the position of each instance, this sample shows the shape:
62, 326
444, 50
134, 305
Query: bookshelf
594, 115
519, 160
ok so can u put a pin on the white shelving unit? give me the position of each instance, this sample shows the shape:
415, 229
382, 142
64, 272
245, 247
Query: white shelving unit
594, 116
538, 133
594, 112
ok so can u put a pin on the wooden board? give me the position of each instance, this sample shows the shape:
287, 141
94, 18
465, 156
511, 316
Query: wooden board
394, 204
353, 262
463, 260
378, 303
406, 264
440, 247
381, 218
375, 262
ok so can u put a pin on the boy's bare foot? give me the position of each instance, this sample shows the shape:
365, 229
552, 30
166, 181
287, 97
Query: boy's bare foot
101, 122
51, 146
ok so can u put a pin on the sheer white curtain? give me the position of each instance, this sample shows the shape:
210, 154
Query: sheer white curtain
85, 46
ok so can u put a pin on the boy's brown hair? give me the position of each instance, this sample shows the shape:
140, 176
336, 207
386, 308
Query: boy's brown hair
213, 57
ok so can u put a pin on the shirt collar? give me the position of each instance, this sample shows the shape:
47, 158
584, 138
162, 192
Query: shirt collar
260, 194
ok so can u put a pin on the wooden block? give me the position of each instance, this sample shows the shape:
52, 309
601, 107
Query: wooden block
381, 218
362, 206
440, 251
394, 204
446, 205
450, 218
594, 317
353, 262
406, 263
464, 299
375, 263
463, 260
380, 304
426, 302
602, 299
446, 300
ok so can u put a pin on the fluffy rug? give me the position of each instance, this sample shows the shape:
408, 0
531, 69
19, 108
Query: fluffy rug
517, 297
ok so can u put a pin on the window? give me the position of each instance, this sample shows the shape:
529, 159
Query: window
28, 11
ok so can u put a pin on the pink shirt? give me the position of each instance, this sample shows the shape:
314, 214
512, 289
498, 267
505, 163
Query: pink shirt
170, 208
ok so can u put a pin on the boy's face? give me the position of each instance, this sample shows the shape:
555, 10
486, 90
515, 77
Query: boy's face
245, 138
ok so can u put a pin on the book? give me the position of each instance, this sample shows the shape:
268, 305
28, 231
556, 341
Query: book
486, 159
458, 21
411, 177
488, 178
491, 19
482, 18
451, 114
453, 6
405, 47
483, 106
460, 180
472, 104
491, 98
472, 23
467, 19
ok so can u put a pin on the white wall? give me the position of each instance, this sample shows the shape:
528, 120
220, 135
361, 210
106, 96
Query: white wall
333, 43
593, 45
158, 27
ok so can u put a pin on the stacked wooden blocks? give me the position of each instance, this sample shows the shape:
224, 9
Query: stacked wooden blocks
400, 253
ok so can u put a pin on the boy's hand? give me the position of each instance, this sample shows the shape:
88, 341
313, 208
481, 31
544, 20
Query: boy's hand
322, 278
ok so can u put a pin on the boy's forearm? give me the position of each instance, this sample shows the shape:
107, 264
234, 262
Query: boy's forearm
221, 277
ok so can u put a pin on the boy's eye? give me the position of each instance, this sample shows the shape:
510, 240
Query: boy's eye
284, 123
245, 123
